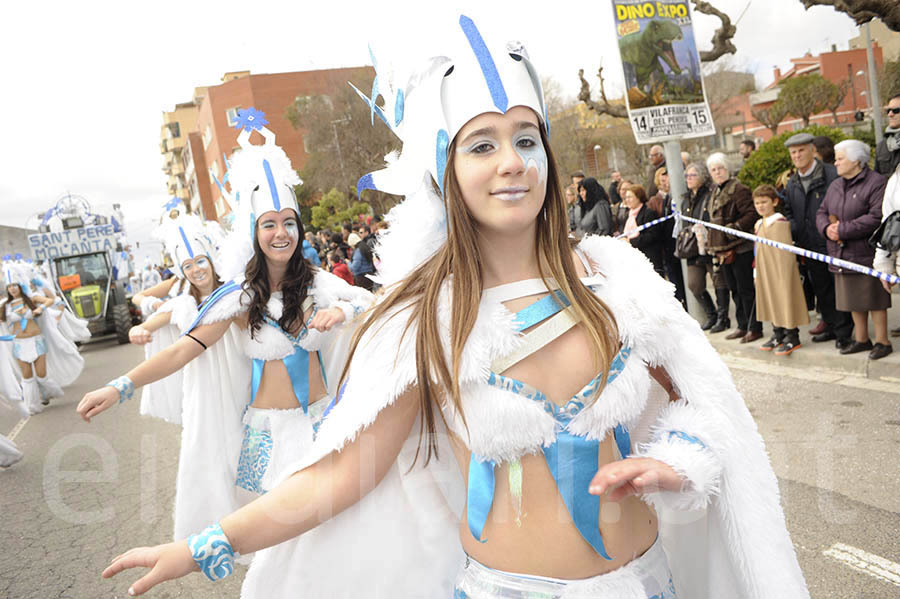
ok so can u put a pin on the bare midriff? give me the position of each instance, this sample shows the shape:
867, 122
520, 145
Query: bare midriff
543, 539
31, 329
540, 538
275, 390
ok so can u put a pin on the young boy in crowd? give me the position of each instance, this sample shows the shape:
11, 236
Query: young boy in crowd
779, 291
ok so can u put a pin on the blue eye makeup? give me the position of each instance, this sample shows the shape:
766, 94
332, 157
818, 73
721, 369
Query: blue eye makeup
201, 262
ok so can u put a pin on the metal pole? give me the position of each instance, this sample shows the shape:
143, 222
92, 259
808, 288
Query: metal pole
677, 189
874, 96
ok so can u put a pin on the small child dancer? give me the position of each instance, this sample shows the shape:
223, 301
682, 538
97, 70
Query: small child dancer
779, 291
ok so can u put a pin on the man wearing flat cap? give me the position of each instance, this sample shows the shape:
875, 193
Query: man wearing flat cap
803, 195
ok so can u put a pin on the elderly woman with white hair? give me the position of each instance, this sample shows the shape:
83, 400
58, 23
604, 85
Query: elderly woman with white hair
731, 205
849, 214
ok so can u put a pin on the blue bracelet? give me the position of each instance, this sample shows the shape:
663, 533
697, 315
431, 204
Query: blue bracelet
212, 552
686, 437
125, 387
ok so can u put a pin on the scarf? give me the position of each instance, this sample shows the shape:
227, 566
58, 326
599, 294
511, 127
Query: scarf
892, 140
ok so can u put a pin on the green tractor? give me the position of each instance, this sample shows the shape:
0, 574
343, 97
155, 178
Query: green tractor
83, 250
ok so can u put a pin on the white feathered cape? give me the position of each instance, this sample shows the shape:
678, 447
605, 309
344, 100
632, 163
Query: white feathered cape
735, 546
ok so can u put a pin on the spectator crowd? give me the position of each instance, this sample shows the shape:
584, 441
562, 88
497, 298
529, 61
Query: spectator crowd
831, 201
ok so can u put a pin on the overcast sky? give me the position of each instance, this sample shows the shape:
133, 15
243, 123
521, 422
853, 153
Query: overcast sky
85, 83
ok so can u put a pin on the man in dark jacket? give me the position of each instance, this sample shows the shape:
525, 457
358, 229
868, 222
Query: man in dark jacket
803, 195
614, 196
657, 159
887, 153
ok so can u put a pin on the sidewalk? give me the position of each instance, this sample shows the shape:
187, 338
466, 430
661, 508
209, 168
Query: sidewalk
821, 357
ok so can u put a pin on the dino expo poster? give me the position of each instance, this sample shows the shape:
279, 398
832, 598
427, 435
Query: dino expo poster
665, 96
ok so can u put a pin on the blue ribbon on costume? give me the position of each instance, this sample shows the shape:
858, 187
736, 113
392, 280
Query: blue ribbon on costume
273, 189
7, 337
480, 495
214, 297
573, 462
540, 310
297, 366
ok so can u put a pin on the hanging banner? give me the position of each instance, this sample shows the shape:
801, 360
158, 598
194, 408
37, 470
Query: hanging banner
664, 86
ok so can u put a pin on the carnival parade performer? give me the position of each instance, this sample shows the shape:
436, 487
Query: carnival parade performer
11, 393
207, 398
163, 398
595, 444
277, 312
46, 360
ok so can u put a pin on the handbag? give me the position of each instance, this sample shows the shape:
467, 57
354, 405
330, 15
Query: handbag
686, 246
887, 235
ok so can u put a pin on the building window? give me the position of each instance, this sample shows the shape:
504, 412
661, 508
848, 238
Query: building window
207, 137
231, 115
175, 129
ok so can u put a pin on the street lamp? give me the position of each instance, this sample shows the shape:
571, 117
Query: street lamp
597, 148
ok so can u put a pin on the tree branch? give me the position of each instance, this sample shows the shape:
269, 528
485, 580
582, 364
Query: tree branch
584, 95
863, 11
722, 37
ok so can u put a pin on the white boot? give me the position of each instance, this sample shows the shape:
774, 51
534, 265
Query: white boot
49, 389
9, 453
32, 395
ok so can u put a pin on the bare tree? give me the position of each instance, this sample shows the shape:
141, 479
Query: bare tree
772, 116
835, 97
722, 45
863, 11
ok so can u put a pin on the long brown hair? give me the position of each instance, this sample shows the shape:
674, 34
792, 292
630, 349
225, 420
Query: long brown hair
10, 298
297, 278
420, 293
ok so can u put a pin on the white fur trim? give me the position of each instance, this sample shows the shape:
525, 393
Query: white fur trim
183, 309
697, 464
227, 306
332, 291
149, 304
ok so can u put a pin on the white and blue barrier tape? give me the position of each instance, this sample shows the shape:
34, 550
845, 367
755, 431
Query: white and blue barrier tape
866, 270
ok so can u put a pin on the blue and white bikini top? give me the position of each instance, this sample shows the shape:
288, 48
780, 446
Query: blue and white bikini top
573, 460
22, 319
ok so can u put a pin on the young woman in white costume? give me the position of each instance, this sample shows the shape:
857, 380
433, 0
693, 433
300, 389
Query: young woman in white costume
46, 360
284, 374
167, 316
11, 393
475, 329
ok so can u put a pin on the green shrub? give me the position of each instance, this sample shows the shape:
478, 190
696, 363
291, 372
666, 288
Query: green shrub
772, 158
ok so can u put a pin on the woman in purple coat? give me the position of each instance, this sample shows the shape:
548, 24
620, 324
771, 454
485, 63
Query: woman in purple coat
849, 214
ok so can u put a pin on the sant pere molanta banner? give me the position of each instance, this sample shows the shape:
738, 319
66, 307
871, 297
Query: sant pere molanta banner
664, 86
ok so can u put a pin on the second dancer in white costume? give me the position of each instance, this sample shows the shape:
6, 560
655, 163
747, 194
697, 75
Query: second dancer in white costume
286, 353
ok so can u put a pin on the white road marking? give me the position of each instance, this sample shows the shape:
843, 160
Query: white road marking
863, 561
17, 428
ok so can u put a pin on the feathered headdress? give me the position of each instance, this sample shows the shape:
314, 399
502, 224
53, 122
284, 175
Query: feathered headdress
184, 238
15, 272
426, 113
262, 180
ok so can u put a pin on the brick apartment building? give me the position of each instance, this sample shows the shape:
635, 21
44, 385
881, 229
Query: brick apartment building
836, 66
215, 136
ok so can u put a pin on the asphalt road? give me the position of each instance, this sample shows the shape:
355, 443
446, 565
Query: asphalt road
86, 492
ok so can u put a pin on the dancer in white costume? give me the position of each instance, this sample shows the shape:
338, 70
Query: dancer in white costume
288, 387
209, 398
11, 396
551, 506
46, 359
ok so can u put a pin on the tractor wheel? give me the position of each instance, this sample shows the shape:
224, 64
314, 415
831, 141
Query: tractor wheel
122, 319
